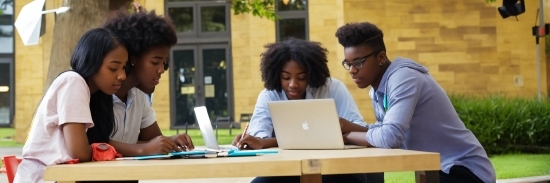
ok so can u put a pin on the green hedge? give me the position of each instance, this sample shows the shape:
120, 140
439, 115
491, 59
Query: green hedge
506, 125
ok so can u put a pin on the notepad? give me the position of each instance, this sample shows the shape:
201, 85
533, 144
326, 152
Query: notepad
234, 153
162, 156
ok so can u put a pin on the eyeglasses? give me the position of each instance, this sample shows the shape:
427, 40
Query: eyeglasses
358, 64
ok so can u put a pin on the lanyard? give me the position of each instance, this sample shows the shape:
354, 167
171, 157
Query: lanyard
385, 102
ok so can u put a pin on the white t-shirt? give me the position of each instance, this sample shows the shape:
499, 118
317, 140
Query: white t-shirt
132, 116
66, 101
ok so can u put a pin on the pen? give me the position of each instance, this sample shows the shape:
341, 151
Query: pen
244, 133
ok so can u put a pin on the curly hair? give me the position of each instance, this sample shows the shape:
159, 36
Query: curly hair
353, 34
307, 54
142, 31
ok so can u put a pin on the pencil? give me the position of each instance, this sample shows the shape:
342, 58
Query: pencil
245, 129
244, 133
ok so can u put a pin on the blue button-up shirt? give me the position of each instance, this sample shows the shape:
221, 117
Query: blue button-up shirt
418, 115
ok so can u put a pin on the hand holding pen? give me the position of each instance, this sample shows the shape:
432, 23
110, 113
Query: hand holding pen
245, 141
244, 133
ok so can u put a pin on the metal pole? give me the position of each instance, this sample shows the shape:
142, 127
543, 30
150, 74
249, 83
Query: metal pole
538, 69
541, 26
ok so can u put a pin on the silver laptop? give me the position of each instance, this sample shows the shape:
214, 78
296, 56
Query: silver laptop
206, 130
307, 124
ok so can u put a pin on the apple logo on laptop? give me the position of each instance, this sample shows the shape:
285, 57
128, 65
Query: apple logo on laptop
305, 125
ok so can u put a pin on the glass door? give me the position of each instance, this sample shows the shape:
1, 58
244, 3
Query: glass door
183, 92
214, 72
199, 77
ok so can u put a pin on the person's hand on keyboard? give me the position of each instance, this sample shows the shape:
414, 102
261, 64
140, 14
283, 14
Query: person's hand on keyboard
158, 145
184, 141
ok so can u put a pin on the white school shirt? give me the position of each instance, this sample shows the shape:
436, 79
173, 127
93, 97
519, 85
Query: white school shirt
66, 101
132, 116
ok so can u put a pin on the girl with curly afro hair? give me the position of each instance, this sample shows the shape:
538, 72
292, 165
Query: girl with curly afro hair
149, 38
296, 69
412, 110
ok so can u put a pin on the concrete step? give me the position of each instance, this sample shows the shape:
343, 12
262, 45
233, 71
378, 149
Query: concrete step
535, 179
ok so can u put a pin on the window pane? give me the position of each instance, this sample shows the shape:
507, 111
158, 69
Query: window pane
5, 93
6, 28
183, 18
292, 28
291, 5
6, 39
213, 19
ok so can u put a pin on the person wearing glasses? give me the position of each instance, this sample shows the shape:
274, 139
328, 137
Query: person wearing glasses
412, 111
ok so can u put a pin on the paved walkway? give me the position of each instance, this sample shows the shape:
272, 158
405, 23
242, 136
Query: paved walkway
6, 151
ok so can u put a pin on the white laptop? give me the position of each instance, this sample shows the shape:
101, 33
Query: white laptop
206, 130
307, 124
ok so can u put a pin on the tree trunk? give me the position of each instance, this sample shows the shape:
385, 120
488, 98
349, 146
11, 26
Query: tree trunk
82, 16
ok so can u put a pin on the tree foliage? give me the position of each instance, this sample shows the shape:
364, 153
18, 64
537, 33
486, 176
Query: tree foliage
260, 8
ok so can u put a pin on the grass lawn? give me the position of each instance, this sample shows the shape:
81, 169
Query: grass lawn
506, 166
6, 138
7, 135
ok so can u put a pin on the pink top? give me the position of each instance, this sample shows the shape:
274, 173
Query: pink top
66, 101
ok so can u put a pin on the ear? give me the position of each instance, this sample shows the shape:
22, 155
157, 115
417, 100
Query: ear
381, 57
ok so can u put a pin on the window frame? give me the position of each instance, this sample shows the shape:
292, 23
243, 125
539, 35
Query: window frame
293, 14
197, 36
9, 58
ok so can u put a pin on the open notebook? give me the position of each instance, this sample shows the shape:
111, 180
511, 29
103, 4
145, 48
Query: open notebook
205, 154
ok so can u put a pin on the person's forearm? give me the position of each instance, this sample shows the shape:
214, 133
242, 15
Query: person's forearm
76, 141
269, 142
127, 149
150, 132
357, 138
356, 128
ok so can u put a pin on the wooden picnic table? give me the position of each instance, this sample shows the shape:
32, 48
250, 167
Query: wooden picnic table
309, 164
